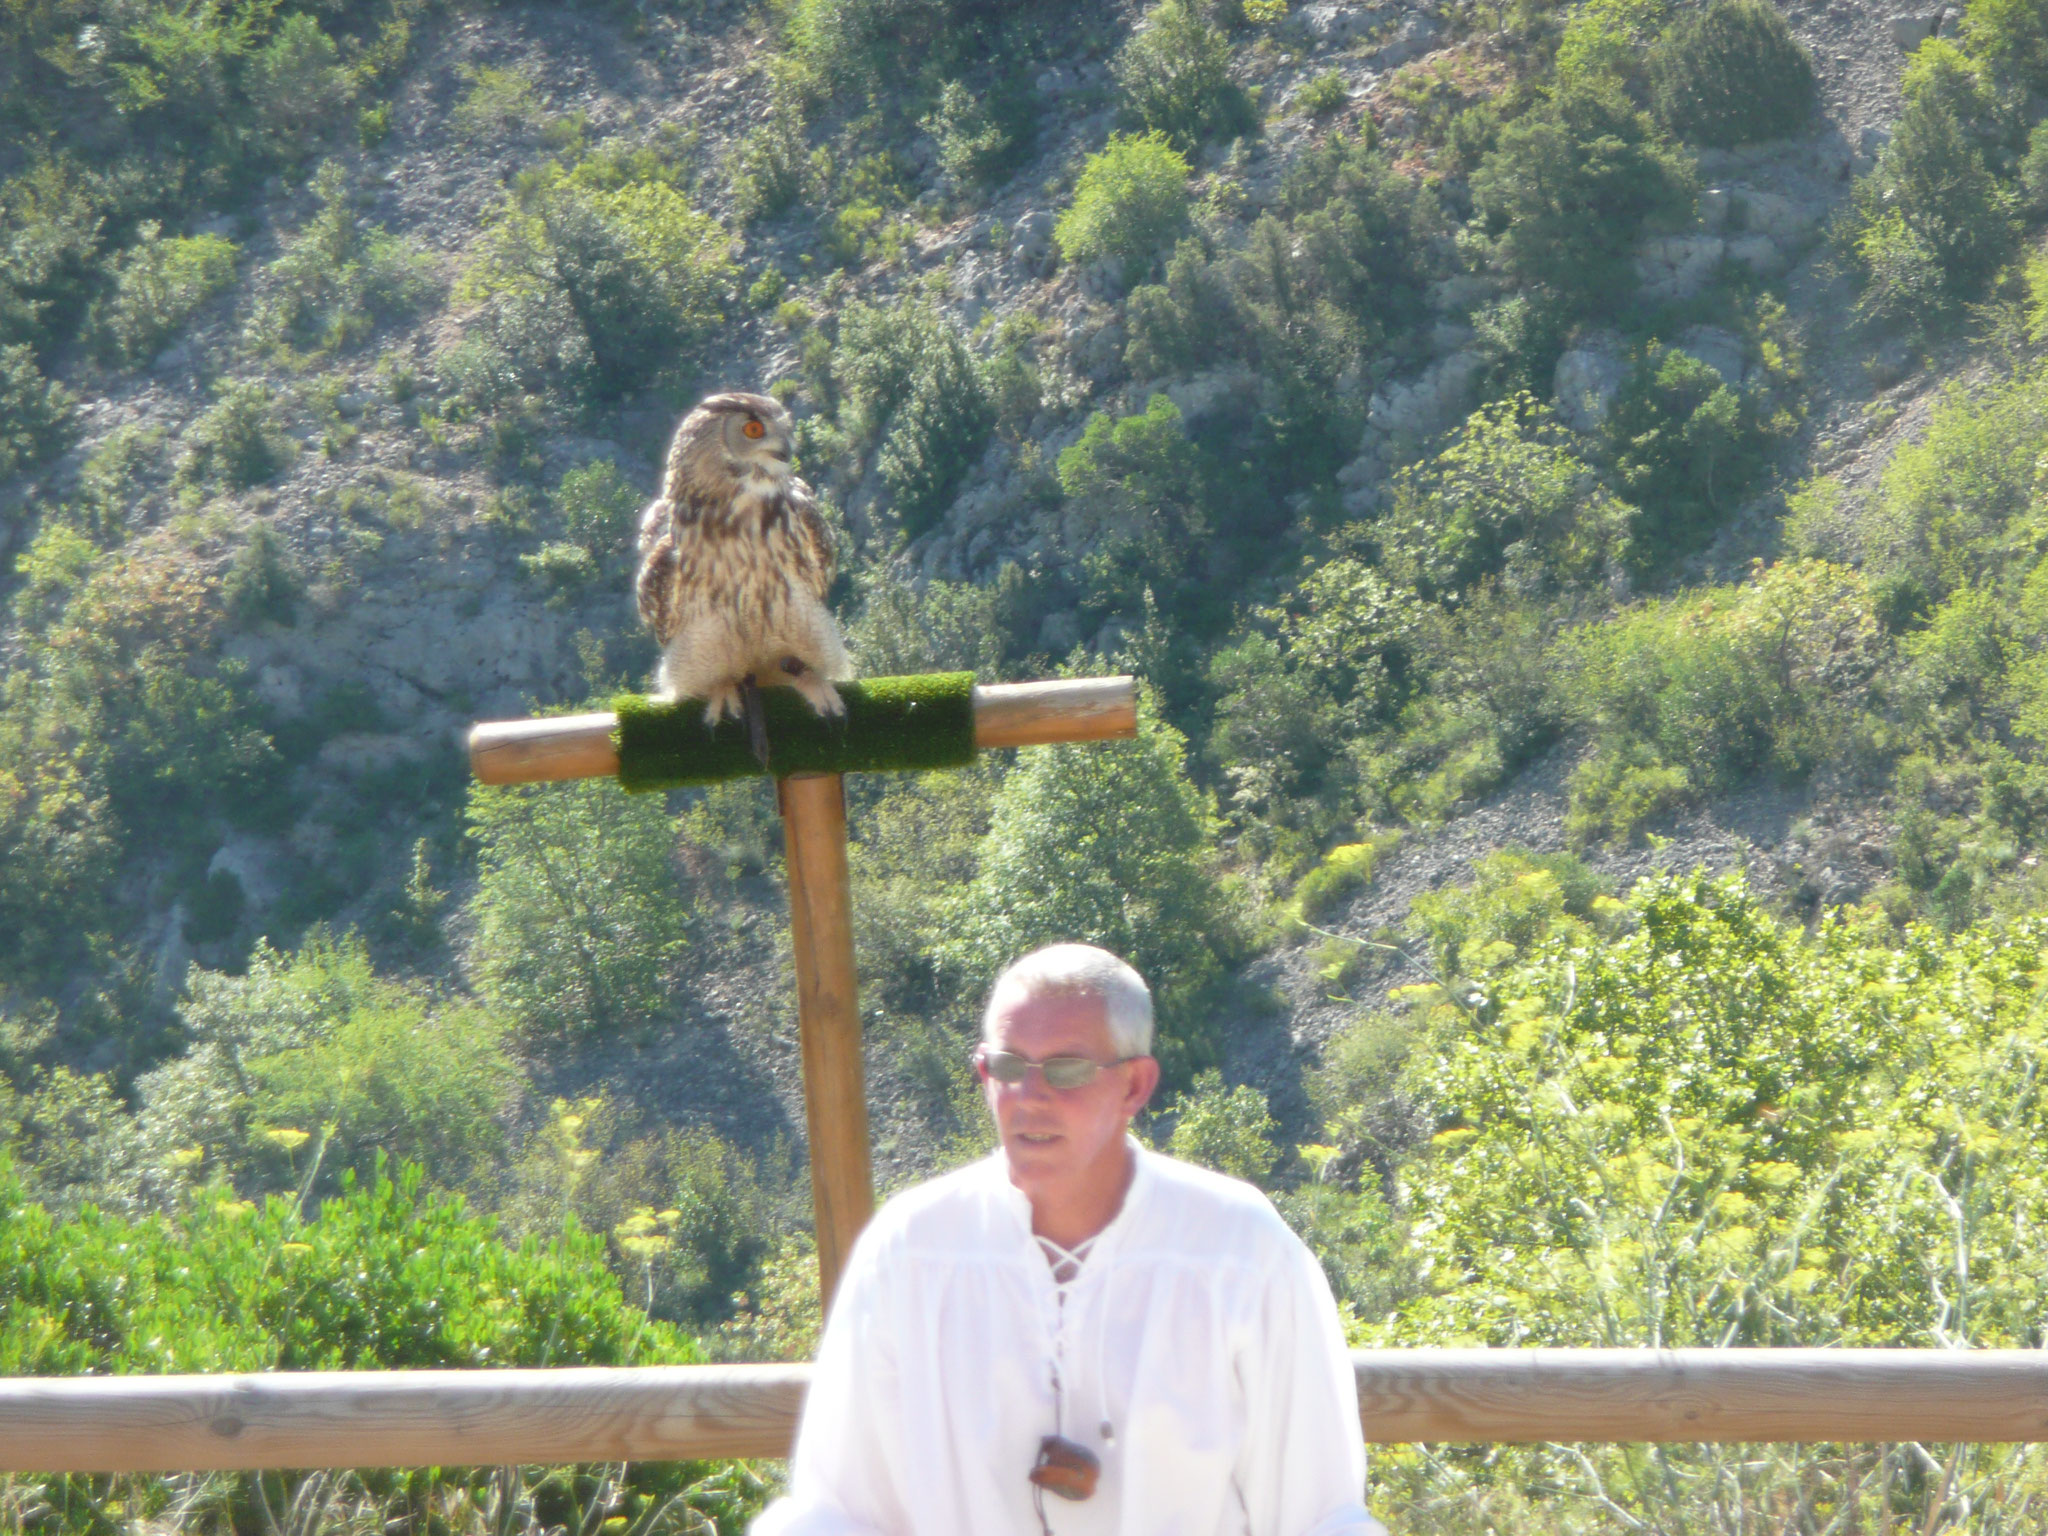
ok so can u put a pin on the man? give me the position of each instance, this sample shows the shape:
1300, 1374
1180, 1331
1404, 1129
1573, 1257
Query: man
1077, 1335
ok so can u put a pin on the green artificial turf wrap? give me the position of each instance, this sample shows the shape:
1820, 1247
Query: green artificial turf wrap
890, 723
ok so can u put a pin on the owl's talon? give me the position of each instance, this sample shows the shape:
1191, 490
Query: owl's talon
819, 694
721, 703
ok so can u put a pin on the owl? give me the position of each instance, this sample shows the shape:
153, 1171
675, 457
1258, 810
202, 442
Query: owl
734, 564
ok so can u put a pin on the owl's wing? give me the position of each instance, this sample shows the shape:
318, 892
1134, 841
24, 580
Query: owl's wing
654, 587
813, 540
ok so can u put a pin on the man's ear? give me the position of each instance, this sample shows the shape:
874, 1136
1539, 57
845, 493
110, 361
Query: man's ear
1144, 1080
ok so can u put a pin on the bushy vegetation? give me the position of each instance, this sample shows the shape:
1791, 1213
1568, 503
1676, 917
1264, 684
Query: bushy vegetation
338, 277
1731, 73
1094, 373
1174, 75
910, 389
611, 252
34, 411
1131, 200
1113, 847
384, 1276
1568, 187
1783, 1167
158, 284
1935, 219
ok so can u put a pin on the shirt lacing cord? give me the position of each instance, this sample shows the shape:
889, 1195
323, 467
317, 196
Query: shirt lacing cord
1066, 1264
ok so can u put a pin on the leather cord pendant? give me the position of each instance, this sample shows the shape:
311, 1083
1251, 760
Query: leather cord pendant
1066, 1469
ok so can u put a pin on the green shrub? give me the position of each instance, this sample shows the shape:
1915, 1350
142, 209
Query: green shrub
311, 1064
385, 1276
1138, 487
496, 102
865, 46
158, 283
1515, 901
338, 277
1174, 76
1343, 872
1775, 1168
937, 433
914, 389
236, 441
767, 166
35, 412
932, 626
980, 136
1619, 790
1932, 221
1178, 325
1569, 186
1903, 280
1602, 44
1337, 272
2012, 37
261, 585
295, 83
1227, 1129
1947, 505
1322, 95
1732, 74
635, 271
561, 565
60, 845
597, 506
1772, 676
1130, 201
914, 847
1686, 446
52, 221
2034, 171
579, 918
1291, 706
1504, 495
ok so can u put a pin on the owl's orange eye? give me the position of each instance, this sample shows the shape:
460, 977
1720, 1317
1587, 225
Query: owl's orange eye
752, 427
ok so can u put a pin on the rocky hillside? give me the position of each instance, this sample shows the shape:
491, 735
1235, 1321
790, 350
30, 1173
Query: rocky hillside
446, 468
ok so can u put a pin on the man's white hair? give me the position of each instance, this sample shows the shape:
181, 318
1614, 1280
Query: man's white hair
1081, 970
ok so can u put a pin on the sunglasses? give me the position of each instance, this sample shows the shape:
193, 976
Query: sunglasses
1060, 1071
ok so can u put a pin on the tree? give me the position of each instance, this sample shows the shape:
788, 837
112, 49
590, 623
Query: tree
1933, 222
1506, 493
1228, 1129
1175, 77
1109, 845
1569, 186
579, 916
35, 413
1732, 74
312, 1064
1685, 445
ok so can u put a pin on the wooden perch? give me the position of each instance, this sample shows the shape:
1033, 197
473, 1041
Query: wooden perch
891, 724
672, 1413
1002, 715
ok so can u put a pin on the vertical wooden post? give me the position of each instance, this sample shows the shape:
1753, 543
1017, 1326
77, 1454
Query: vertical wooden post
828, 1015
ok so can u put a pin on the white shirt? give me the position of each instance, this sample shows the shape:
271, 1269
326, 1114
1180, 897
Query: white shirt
1197, 1353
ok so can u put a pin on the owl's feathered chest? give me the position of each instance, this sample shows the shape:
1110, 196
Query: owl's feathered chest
748, 550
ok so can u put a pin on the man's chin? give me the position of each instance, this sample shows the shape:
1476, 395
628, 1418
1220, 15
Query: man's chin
1041, 1155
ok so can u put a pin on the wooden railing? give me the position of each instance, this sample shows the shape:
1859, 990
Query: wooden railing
667, 1413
